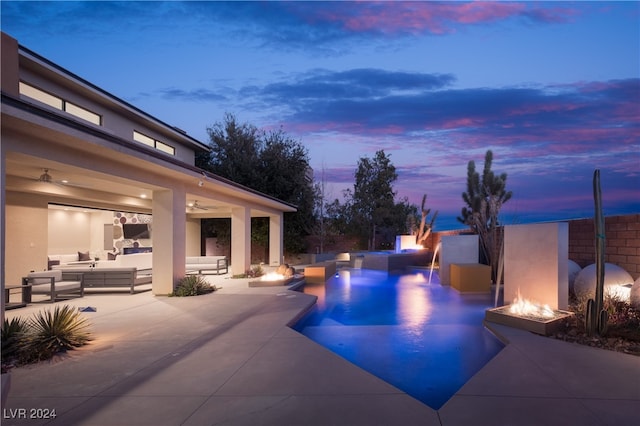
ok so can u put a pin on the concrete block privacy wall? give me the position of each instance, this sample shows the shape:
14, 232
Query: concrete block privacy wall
622, 236
536, 263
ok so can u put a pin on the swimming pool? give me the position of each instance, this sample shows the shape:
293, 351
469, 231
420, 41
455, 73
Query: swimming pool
425, 339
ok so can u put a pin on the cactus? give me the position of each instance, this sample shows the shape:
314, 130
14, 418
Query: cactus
596, 317
425, 230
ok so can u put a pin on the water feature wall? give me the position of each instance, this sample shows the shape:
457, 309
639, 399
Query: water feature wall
536, 263
456, 249
404, 242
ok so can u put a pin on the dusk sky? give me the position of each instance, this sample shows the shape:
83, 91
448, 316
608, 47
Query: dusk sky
552, 88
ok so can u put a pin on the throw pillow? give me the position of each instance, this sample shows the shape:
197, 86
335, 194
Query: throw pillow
83, 256
112, 256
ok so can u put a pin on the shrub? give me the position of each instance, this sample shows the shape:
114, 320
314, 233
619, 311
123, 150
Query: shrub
624, 320
253, 272
192, 285
12, 337
622, 315
50, 332
43, 336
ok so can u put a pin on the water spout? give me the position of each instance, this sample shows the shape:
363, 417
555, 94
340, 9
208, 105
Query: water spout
433, 260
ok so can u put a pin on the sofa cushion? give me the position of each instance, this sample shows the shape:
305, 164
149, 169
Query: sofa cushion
44, 277
60, 287
195, 260
141, 261
83, 256
64, 258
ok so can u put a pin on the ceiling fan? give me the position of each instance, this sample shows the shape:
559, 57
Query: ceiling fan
46, 177
196, 206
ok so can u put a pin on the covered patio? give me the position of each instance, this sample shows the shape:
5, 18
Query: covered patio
102, 166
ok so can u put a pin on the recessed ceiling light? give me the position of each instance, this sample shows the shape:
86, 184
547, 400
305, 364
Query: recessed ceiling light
143, 195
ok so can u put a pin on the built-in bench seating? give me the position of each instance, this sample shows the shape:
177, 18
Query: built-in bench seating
53, 284
200, 264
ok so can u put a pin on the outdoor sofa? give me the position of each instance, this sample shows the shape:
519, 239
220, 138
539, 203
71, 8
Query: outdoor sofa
199, 264
125, 271
51, 283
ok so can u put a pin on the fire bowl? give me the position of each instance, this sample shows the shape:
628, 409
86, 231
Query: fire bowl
533, 323
271, 283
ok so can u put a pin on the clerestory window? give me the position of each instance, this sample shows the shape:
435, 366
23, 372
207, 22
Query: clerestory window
154, 143
59, 103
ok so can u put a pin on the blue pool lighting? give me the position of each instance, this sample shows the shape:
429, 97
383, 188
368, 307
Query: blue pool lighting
425, 339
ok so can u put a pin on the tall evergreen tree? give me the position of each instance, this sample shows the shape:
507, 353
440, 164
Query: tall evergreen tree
235, 151
269, 162
373, 196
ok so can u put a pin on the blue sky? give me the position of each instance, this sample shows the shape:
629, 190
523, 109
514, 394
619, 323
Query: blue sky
552, 88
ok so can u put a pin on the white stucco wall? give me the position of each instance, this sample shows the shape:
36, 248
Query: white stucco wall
69, 232
456, 249
193, 237
26, 219
536, 263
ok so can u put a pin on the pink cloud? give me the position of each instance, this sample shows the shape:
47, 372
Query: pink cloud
430, 17
475, 12
543, 108
461, 122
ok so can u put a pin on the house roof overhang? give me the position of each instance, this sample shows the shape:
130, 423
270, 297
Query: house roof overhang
35, 138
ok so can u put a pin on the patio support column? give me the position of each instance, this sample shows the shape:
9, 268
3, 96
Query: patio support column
2, 235
240, 240
276, 240
169, 239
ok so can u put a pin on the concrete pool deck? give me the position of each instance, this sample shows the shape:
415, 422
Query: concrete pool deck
229, 358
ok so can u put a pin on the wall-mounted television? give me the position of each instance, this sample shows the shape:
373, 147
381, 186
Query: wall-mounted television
136, 231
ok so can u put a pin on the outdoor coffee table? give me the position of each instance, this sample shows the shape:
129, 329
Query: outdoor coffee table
25, 292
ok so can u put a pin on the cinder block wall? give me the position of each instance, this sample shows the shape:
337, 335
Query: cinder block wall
622, 235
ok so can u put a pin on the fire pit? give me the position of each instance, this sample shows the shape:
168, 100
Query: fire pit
271, 279
523, 314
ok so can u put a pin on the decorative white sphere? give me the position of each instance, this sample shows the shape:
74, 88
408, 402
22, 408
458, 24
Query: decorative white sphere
617, 281
574, 269
634, 297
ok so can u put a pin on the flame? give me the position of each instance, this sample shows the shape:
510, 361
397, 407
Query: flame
524, 307
272, 276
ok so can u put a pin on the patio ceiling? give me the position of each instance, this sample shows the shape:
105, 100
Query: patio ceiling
76, 186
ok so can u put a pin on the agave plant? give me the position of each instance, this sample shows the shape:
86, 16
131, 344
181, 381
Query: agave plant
50, 332
192, 285
13, 334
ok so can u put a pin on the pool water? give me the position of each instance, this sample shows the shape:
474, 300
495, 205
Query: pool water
425, 339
